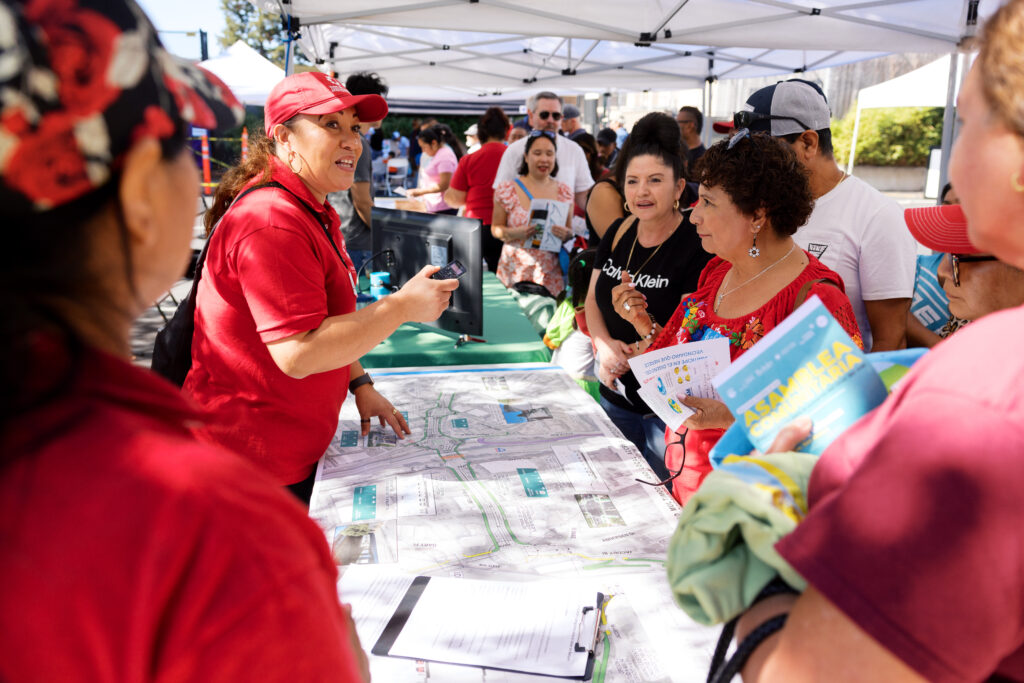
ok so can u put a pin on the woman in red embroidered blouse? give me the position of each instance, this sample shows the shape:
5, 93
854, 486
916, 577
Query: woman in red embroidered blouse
511, 220
753, 197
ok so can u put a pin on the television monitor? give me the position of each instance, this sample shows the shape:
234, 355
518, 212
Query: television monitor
416, 239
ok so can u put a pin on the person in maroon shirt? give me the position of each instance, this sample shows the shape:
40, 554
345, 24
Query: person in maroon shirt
912, 547
131, 551
472, 184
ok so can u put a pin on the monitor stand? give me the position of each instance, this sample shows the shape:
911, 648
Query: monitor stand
460, 339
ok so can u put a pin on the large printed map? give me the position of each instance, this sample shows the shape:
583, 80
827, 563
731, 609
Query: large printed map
511, 472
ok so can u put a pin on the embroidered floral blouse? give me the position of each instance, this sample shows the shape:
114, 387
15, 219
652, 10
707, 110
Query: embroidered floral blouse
517, 262
695, 319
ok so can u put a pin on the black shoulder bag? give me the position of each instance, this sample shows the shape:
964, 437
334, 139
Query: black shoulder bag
172, 349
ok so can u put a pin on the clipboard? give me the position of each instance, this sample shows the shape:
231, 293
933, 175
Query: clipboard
585, 623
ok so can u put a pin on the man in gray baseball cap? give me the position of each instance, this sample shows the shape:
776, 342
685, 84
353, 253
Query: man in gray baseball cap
855, 230
571, 126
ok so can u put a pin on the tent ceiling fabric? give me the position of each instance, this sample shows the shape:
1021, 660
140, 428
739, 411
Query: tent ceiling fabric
573, 46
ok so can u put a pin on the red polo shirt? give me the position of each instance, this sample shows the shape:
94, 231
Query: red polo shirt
475, 176
132, 552
270, 273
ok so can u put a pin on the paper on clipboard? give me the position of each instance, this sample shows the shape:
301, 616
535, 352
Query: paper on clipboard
545, 627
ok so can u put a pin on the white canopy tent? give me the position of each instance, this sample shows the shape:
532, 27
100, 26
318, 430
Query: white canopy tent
248, 73
508, 48
924, 87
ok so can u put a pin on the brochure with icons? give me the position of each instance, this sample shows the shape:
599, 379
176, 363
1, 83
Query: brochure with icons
807, 365
668, 375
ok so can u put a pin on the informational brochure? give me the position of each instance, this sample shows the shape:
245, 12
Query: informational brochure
668, 375
807, 365
539, 627
544, 215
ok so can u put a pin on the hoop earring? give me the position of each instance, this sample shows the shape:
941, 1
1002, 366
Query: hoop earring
1015, 182
754, 251
625, 206
291, 157
676, 205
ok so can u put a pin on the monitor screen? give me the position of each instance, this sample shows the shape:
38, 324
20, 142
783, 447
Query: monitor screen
419, 239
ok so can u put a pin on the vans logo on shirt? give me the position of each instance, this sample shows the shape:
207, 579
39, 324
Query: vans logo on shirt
817, 249
642, 281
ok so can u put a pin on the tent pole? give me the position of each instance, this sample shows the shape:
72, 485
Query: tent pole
948, 121
853, 142
288, 53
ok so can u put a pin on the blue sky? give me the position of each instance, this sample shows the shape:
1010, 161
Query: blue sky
186, 15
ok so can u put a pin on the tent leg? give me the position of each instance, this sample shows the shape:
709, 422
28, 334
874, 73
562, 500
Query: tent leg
949, 119
853, 142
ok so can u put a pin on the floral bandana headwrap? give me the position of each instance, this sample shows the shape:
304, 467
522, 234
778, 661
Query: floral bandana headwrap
80, 82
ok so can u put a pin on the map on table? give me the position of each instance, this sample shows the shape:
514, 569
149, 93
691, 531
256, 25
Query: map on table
511, 472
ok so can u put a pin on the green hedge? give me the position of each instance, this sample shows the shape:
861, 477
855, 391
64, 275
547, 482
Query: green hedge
898, 136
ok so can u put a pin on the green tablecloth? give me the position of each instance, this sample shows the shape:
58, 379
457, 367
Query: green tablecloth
510, 339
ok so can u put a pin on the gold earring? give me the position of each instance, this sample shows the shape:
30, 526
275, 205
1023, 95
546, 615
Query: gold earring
625, 206
676, 205
1015, 182
291, 157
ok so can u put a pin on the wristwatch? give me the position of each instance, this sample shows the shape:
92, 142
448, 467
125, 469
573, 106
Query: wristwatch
359, 381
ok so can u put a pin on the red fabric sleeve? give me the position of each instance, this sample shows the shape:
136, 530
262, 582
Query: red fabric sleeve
839, 306
458, 180
921, 547
282, 280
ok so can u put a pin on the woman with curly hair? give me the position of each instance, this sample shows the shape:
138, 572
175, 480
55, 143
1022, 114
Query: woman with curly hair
753, 197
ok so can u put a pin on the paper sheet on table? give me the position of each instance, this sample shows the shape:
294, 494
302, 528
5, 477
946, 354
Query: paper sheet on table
668, 375
532, 627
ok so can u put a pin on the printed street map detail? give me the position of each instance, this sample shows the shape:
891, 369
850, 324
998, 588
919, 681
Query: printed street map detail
511, 472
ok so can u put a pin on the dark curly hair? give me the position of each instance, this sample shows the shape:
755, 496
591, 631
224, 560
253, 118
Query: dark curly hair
760, 172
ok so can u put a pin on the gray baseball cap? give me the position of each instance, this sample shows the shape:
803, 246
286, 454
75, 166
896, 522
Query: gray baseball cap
570, 112
787, 107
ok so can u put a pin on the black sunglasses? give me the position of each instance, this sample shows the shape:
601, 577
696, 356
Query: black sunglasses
745, 119
544, 115
957, 259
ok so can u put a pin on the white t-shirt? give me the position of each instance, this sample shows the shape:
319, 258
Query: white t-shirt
859, 233
572, 164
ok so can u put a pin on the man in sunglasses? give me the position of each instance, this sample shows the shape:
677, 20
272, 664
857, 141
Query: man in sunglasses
855, 230
545, 113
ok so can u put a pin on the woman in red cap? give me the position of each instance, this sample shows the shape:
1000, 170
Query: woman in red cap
131, 551
277, 336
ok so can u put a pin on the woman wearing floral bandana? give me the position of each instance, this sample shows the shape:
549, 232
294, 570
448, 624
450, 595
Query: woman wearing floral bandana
131, 551
753, 197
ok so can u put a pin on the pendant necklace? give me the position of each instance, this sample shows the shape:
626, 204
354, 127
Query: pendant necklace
629, 259
722, 295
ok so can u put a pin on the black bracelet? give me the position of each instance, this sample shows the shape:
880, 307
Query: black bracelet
721, 670
359, 381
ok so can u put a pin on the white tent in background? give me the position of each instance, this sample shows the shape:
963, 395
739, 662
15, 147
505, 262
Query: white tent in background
249, 74
933, 85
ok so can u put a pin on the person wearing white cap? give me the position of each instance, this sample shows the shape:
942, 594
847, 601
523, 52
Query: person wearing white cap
854, 229
472, 139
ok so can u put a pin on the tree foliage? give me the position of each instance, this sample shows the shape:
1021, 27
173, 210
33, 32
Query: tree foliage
262, 31
897, 136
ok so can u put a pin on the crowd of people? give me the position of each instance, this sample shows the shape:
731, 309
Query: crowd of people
166, 525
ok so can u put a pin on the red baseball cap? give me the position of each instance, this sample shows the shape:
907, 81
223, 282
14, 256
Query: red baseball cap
722, 127
941, 228
314, 92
